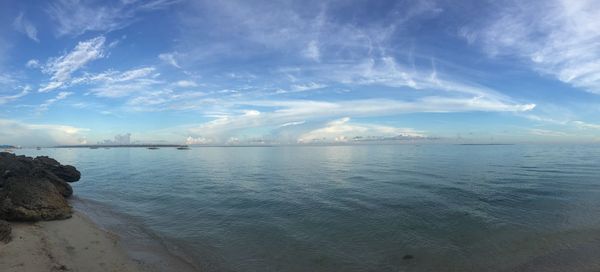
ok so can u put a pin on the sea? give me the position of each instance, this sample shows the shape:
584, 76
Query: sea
429, 207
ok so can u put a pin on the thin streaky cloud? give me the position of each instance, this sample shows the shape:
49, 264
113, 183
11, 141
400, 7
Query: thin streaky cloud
560, 38
24, 26
60, 68
264, 72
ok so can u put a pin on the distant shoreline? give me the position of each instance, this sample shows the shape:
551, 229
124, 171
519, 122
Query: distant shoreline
130, 145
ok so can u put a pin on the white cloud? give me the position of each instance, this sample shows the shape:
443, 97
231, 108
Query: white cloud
232, 122
115, 84
169, 58
162, 100
134, 74
558, 37
197, 141
33, 63
123, 89
19, 133
51, 86
60, 96
186, 83
547, 133
112, 76
74, 17
585, 125
343, 131
8, 98
310, 31
61, 68
6, 79
312, 51
387, 71
296, 123
307, 87
26, 27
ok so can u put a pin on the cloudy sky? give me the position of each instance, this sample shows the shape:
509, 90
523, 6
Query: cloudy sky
288, 72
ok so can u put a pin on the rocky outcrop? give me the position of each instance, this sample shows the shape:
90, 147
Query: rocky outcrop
5, 232
32, 199
40, 167
66, 172
33, 189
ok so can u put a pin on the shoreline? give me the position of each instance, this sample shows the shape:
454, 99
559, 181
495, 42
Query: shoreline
74, 244
54, 231
81, 243
142, 245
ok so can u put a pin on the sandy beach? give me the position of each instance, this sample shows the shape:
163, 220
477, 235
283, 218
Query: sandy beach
75, 244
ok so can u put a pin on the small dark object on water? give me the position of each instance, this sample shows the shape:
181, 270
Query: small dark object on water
407, 257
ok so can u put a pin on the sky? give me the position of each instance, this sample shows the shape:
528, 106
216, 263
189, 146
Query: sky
299, 72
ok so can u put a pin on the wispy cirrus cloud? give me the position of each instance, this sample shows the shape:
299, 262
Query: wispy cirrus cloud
546, 133
8, 98
60, 96
314, 31
586, 125
33, 63
61, 68
24, 26
232, 121
75, 17
559, 38
170, 58
163, 100
114, 76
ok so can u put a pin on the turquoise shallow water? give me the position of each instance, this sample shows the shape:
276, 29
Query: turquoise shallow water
356, 208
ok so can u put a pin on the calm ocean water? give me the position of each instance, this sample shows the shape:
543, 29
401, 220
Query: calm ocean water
351, 208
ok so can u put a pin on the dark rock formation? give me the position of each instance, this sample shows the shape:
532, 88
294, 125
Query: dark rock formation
61, 185
66, 172
31, 199
40, 167
5, 232
34, 189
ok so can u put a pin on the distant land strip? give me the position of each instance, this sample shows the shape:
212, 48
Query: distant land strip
117, 145
485, 144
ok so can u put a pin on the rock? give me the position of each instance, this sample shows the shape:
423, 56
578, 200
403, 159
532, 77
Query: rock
32, 199
5, 231
40, 167
62, 186
65, 172
34, 189
11, 166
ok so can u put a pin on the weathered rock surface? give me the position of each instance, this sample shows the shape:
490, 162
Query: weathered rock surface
33, 189
31, 199
66, 172
5, 232
40, 167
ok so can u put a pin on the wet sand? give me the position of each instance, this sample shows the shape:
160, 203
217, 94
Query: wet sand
75, 244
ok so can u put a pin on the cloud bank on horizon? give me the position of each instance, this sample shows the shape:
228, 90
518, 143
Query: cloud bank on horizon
298, 72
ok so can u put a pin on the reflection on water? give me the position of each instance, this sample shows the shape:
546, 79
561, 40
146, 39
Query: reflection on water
358, 208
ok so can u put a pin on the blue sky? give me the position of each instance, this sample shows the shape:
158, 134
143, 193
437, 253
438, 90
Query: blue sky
289, 72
